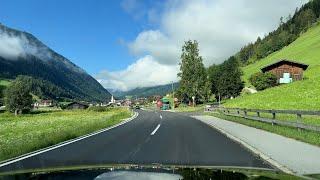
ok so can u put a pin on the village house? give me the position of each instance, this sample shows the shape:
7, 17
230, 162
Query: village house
43, 103
286, 70
77, 105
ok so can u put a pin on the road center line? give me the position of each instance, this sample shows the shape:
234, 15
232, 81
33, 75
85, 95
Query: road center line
160, 116
155, 130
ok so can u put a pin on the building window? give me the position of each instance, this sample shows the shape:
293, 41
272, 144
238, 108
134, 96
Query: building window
297, 77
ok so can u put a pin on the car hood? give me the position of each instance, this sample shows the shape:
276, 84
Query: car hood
151, 172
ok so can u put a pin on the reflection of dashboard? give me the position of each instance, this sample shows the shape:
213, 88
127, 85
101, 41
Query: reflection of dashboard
155, 172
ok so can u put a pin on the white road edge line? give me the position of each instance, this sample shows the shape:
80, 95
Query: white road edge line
155, 130
34, 153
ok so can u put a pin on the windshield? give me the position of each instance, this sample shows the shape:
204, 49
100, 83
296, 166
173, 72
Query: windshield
206, 85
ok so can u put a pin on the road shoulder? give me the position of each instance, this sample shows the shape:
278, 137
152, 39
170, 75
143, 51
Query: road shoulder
287, 154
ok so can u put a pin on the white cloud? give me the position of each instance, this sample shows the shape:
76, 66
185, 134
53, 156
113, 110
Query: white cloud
221, 28
14, 46
156, 44
145, 72
10, 46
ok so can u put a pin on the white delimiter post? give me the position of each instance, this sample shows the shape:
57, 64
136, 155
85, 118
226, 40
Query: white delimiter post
193, 98
172, 94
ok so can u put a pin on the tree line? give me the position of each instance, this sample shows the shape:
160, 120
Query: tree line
288, 31
199, 83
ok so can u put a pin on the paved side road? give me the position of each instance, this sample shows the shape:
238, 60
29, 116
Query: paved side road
299, 157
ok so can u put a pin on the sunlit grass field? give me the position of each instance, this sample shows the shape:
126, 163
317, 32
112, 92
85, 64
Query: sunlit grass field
300, 95
26, 133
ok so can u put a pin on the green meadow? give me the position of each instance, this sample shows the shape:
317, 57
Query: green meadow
39, 129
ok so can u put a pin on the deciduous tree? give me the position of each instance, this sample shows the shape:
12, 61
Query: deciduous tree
17, 97
226, 78
192, 72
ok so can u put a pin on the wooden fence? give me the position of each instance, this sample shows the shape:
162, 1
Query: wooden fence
297, 123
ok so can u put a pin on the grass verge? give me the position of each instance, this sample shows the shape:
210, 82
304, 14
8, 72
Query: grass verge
301, 135
306, 119
30, 132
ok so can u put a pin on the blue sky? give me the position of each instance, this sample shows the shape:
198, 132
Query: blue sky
126, 44
87, 32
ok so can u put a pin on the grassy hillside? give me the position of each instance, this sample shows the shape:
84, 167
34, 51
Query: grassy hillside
4, 82
298, 95
305, 49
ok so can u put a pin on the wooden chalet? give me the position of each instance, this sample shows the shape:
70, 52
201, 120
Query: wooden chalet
282, 67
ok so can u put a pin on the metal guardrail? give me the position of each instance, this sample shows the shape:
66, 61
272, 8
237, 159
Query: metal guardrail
297, 124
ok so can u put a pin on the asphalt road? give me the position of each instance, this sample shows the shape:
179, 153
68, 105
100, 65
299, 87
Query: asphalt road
174, 139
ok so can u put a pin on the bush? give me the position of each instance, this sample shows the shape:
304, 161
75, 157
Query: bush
263, 81
63, 105
2, 89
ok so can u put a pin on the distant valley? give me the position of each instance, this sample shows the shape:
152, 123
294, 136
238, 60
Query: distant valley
146, 91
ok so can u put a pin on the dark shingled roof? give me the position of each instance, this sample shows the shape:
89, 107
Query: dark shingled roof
284, 61
81, 103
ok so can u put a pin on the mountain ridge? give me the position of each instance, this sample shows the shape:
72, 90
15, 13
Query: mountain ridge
147, 91
33, 58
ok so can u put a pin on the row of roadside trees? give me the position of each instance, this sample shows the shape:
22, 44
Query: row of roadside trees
199, 83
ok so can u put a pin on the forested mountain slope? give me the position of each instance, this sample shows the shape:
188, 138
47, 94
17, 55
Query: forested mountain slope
148, 91
24, 54
290, 28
